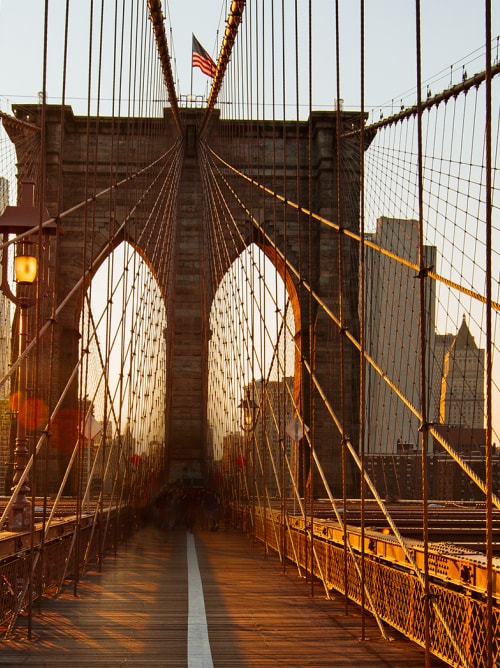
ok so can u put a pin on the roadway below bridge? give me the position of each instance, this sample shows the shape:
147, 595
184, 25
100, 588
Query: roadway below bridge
172, 598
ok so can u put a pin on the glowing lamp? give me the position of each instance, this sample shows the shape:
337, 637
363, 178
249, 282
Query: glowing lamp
26, 267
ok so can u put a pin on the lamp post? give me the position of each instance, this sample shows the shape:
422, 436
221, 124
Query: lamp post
26, 267
250, 412
16, 220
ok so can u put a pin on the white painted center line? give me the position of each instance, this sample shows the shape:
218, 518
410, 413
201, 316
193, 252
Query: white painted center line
199, 652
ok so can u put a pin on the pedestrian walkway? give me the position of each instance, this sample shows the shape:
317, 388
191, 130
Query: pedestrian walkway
144, 610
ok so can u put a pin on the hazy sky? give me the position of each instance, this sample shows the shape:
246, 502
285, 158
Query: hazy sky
452, 30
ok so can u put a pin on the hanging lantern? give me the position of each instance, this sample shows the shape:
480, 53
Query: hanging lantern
26, 267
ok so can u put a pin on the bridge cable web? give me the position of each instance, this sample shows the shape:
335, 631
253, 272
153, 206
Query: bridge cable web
309, 246
128, 205
289, 215
391, 382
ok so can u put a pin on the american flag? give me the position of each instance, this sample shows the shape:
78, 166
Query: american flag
202, 59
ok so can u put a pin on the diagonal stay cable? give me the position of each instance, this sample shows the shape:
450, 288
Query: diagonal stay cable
439, 438
95, 263
356, 237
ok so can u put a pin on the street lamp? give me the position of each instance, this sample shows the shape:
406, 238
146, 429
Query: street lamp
16, 220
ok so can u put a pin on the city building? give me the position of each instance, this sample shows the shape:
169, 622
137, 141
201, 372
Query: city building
462, 385
454, 374
392, 334
461, 399
441, 344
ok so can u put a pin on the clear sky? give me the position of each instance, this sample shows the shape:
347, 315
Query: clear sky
452, 30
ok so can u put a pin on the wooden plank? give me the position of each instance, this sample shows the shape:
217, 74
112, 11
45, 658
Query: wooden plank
134, 613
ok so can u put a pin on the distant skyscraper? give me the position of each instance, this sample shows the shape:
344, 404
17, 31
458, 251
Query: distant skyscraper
392, 334
441, 344
462, 384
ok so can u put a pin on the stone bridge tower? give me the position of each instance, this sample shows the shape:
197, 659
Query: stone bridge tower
123, 148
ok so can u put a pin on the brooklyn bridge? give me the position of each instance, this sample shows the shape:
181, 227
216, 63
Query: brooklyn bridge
249, 372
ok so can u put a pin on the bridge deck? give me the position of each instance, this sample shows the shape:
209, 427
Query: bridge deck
135, 613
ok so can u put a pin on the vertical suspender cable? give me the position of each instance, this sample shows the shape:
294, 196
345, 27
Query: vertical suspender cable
285, 240
246, 282
311, 240
112, 177
53, 286
87, 235
362, 308
109, 285
489, 344
33, 561
54, 292
338, 126
262, 496
281, 401
423, 329
302, 465
87, 245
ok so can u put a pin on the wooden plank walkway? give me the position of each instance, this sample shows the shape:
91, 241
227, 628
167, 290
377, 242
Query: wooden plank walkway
135, 613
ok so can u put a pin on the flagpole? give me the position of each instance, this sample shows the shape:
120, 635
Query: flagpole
192, 68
